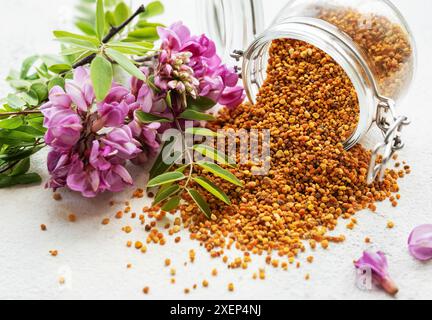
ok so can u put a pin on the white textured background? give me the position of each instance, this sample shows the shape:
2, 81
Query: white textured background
93, 258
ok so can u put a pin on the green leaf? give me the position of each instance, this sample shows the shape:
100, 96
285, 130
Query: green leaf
196, 116
203, 132
109, 18
213, 189
165, 193
21, 168
80, 43
26, 66
19, 84
59, 34
102, 76
15, 102
41, 90
147, 33
100, 19
201, 203
86, 27
153, 9
160, 166
30, 97
125, 63
60, 68
172, 204
131, 47
13, 138
212, 153
8, 181
58, 81
73, 51
11, 123
19, 155
121, 13
165, 179
146, 118
145, 24
200, 103
220, 172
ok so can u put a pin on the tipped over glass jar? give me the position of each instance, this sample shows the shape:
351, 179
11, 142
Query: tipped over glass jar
369, 39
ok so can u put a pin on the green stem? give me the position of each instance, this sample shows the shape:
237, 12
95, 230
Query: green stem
19, 113
188, 155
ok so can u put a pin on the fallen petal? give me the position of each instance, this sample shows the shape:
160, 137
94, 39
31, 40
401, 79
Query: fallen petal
420, 242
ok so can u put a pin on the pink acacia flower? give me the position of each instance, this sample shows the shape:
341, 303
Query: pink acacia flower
91, 143
116, 107
122, 143
189, 64
80, 89
376, 263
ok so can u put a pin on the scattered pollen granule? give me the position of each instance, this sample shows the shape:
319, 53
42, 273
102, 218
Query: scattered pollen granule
127, 229
146, 290
138, 245
390, 225
231, 287
105, 221
53, 253
205, 284
72, 218
192, 255
57, 197
262, 275
43, 227
214, 272
167, 262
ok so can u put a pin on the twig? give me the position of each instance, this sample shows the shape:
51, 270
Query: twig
113, 31
19, 113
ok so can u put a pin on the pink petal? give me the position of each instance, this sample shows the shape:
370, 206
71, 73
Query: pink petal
77, 96
420, 242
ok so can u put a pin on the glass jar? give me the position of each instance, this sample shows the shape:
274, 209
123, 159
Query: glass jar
232, 24
369, 39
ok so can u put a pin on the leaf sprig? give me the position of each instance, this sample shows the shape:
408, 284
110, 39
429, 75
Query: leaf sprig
110, 38
173, 182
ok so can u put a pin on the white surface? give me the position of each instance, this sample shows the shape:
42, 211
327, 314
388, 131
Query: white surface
93, 257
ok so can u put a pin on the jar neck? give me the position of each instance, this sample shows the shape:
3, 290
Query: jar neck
330, 40
232, 24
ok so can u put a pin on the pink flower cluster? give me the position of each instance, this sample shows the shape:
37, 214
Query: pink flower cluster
188, 66
91, 143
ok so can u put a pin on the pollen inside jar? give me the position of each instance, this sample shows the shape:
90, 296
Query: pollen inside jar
385, 44
310, 107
